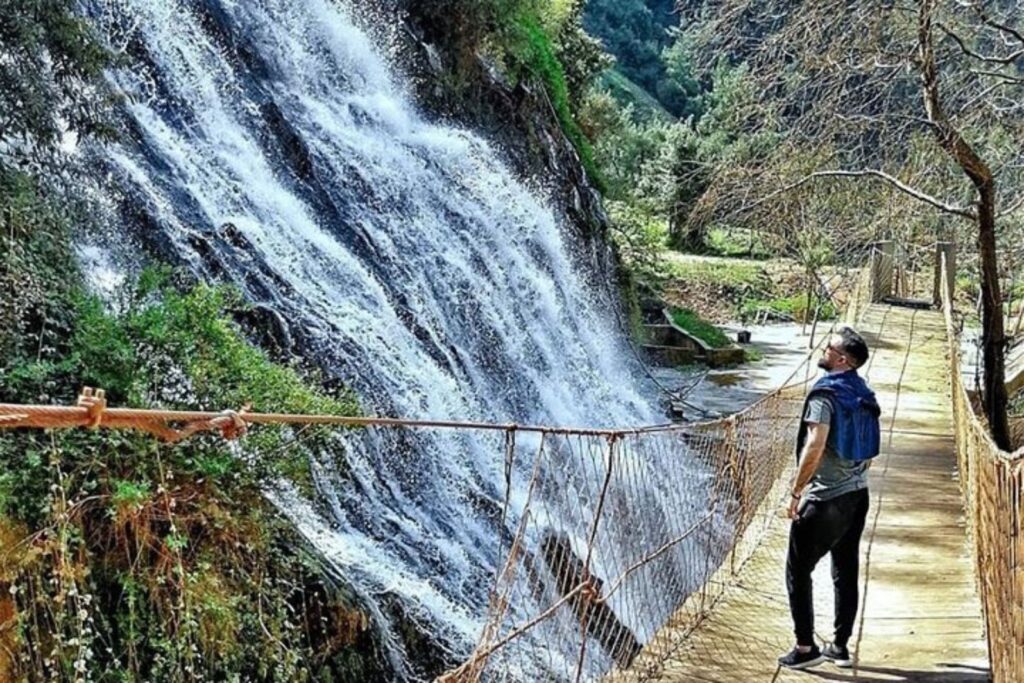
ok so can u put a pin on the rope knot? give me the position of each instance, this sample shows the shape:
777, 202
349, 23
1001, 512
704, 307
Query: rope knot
95, 402
591, 591
231, 423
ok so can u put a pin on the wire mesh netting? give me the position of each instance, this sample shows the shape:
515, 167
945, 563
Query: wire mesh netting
618, 536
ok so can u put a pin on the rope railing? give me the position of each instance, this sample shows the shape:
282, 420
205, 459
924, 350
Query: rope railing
992, 482
611, 545
613, 532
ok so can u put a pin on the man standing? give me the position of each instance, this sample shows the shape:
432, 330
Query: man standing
838, 435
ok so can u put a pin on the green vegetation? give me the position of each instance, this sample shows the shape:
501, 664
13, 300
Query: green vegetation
630, 96
736, 243
639, 34
166, 343
799, 308
700, 328
536, 52
732, 272
168, 556
752, 355
739, 288
140, 568
540, 42
664, 168
627, 148
640, 238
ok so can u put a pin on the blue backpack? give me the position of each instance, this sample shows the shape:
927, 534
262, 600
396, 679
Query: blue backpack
855, 428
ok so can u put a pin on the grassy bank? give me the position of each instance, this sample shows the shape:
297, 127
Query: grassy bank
700, 328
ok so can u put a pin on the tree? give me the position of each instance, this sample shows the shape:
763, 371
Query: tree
950, 138
865, 78
679, 89
731, 131
625, 147
49, 64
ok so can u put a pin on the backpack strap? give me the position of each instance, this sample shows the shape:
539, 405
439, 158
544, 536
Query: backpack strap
801, 432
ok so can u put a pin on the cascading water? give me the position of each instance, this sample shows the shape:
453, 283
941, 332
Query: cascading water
271, 146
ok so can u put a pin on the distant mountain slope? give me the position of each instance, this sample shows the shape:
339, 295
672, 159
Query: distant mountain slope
645, 105
636, 32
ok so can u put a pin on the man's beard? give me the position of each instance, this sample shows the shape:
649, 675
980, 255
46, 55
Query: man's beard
824, 364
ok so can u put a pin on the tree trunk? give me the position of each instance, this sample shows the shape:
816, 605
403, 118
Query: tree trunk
687, 235
993, 340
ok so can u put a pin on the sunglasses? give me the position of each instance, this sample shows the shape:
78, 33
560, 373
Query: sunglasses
838, 352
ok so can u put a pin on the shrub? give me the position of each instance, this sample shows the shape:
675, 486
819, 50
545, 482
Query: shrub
164, 561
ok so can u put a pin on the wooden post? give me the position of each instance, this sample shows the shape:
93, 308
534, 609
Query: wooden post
947, 249
881, 271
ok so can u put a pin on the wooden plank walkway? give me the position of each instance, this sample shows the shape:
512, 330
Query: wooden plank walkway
920, 616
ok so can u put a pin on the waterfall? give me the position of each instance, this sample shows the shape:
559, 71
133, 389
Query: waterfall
272, 146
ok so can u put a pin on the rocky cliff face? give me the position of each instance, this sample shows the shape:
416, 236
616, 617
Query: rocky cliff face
517, 117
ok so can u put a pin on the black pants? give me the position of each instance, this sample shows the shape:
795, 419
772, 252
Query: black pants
831, 526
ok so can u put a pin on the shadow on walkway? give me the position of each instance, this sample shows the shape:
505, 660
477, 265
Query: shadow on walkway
958, 673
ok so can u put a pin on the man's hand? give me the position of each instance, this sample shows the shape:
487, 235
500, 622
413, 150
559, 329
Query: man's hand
794, 506
814, 450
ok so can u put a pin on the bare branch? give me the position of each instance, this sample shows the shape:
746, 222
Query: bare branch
1007, 78
1013, 207
872, 173
1008, 59
979, 9
966, 106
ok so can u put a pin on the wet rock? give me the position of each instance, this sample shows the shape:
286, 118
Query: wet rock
601, 622
294, 149
230, 233
337, 624
428, 655
267, 328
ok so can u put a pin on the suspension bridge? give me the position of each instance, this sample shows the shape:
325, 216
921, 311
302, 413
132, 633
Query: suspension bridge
657, 553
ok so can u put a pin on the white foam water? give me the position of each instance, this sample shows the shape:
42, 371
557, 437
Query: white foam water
271, 146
